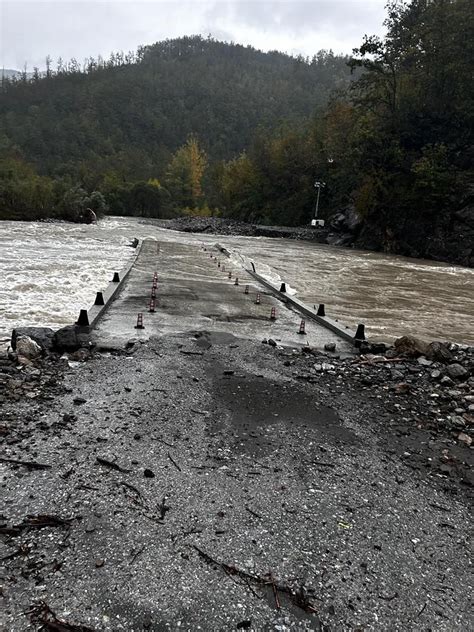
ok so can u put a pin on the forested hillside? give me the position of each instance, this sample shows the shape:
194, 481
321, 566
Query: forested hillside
197, 126
395, 151
130, 113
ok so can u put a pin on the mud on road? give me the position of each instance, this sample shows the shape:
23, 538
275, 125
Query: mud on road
205, 482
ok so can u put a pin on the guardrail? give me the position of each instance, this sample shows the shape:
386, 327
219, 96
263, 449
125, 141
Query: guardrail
342, 331
88, 318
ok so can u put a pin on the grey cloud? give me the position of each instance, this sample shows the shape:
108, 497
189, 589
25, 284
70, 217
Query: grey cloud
30, 30
297, 17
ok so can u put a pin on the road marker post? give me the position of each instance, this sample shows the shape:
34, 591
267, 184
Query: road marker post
83, 320
359, 335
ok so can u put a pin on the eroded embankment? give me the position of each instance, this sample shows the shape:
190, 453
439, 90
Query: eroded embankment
209, 482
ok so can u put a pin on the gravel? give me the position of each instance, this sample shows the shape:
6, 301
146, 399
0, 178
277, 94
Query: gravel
242, 487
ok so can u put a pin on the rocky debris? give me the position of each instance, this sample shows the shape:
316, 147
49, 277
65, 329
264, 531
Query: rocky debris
81, 355
30, 379
426, 394
43, 336
70, 339
410, 346
27, 348
224, 226
410, 417
465, 438
344, 226
457, 371
372, 347
439, 352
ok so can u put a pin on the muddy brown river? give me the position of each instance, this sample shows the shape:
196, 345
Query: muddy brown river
49, 271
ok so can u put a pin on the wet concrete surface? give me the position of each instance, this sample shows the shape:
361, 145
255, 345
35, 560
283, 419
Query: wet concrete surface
194, 293
228, 494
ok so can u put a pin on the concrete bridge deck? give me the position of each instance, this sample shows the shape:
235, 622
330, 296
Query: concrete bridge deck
195, 294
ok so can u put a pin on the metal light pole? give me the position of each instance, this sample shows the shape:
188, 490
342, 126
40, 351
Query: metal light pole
318, 185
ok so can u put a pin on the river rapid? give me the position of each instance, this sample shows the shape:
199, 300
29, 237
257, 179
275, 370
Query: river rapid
49, 271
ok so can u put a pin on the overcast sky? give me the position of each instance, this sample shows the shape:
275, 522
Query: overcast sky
32, 29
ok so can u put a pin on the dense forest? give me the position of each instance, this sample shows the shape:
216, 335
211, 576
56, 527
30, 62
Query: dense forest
198, 126
119, 125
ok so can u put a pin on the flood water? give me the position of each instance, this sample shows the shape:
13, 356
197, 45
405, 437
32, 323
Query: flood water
49, 272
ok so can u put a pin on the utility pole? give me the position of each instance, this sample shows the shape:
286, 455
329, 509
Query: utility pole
318, 185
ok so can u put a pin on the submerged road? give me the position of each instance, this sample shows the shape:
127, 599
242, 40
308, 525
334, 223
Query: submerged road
194, 293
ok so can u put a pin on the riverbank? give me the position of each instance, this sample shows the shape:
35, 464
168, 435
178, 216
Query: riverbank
230, 227
211, 482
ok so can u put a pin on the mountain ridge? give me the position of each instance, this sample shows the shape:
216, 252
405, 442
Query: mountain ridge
145, 105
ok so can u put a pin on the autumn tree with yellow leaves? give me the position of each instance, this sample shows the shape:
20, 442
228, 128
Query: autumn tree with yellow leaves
184, 176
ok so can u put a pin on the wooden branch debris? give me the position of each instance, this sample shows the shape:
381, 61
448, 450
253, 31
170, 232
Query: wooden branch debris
170, 445
298, 598
136, 554
254, 513
275, 592
23, 549
174, 462
32, 465
111, 464
135, 490
42, 614
36, 522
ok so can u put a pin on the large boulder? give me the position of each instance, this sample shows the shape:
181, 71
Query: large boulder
43, 336
372, 347
70, 338
346, 220
411, 347
439, 352
27, 348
